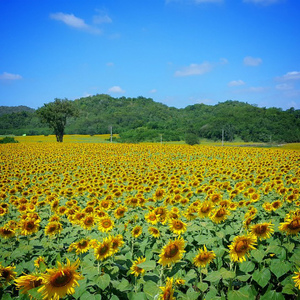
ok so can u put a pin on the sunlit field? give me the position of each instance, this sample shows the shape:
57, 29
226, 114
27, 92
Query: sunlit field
88, 219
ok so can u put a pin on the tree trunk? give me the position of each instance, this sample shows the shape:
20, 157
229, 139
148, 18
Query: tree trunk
59, 137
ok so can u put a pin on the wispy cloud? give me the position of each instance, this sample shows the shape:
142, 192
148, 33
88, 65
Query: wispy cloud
263, 2
101, 18
252, 61
153, 91
75, 22
10, 76
236, 83
284, 86
194, 69
294, 75
116, 89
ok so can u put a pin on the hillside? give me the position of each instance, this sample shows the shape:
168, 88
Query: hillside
139, 119
14, 109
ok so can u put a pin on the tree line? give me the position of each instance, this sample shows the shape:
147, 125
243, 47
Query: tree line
142, 119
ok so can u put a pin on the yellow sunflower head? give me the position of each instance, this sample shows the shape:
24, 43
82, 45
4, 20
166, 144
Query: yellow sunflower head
103, 250
106, 224
25, 283
137, 231
172, 252
177, 226
60, 281
135, 270
204, 257
262, 230
241, 246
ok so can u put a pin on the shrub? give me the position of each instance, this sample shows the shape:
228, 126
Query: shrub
8, 139
191, 139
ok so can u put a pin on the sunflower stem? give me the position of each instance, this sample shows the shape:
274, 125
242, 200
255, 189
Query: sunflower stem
161, 275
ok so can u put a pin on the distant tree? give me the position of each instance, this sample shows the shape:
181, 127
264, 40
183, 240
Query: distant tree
55, 114
191, 139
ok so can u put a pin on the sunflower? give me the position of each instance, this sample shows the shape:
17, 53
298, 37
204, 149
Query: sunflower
151, 218
204, 257
53, 228
29, 226
219, 215
116, 243
81, 246
135, 270
154, 232
262, 230
88, 222
27, 282
120, 212
58, 282
106, 224
241, 246
205, 208
137, 231
6, 232
39, 262
7, 274
103, 250
291, 225
296, 278
167, 290
172, 252
177, 226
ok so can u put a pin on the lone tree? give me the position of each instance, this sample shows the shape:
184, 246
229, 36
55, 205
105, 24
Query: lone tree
55, 114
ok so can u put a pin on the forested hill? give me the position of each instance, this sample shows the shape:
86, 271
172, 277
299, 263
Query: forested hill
14, 109
142, 119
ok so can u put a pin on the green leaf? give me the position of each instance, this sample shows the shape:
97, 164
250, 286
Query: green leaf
258, 255
289, 289
243, 277
247, 266
191, 294
289, 246
88, 296
6, 296
203, 286
279, 268
262, 277
124, 285
102, 281
272, 295
137, 296
147, 265
226, 274
190, 276
34, 293
151, 289
213, 276
237, 295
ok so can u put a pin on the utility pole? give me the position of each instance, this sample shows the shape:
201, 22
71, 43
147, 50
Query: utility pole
222, 136
111, 135
161, 138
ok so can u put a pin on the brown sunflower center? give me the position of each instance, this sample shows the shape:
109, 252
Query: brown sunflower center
203, 257
295, 224
220, 213
178, 225
205, 209
88, 221
171, 251
261, 229
61, 278
241, 246
106, 223
103, 249
29, 225
83, 244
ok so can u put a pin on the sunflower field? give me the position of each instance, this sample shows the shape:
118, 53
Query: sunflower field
148, 221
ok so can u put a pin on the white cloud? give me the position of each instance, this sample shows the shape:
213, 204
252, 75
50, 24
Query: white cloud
252, 61
75, 22
10, 76
257, 89
284, 86
99, 19
153, 91
294, 75
194, 69
223, 61
116, 89
263, 2
236, 82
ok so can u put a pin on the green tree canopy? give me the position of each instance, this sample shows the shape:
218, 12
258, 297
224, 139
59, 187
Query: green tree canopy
55, 114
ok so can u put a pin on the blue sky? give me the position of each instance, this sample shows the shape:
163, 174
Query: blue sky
177, 52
